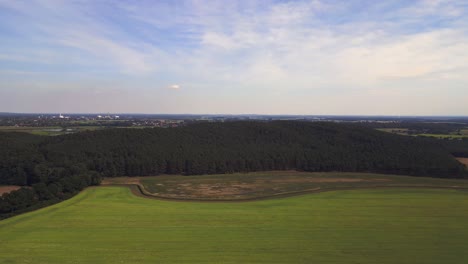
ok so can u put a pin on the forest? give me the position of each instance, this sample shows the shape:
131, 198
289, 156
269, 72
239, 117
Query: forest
54, 168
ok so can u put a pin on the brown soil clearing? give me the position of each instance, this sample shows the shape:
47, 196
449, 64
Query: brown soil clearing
9, 188
463, 160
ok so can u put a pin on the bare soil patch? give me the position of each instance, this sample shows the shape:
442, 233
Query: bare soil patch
463, 161
247, 185
121, 180
259, 185
324, 179
8, 188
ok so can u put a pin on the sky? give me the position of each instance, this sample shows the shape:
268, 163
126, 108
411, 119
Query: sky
366, 57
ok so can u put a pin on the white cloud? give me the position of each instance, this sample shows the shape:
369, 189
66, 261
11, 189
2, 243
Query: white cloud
301, 54
444, 8
73, 25
130, 60
220, 40
174, 86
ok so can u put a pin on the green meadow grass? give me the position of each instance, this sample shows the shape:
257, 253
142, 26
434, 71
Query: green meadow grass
444, 135
110, 225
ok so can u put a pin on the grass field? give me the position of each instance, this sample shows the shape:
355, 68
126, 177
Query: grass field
444, 135
400, 131
239, 186
110, 225
48, 131
57, 131
405, 132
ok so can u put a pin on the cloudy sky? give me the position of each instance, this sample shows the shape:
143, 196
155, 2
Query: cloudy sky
394, 57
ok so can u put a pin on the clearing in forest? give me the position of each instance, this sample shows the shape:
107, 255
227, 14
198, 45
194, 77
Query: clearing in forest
463, 161
8, 188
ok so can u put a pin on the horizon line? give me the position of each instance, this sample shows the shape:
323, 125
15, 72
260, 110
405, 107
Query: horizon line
225, 114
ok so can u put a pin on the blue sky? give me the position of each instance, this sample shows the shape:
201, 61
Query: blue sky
235, 57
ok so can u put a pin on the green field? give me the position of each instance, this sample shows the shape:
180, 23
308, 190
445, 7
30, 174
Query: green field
444, 135
110, 225
405, 132
57, 131
48, 131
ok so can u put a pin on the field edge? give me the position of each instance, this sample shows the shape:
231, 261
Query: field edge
140, 191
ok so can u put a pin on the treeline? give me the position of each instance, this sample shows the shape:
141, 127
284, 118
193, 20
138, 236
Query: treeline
250, 146
54, 167
22, 163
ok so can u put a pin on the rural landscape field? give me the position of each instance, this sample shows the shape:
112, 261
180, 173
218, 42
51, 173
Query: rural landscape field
240, 131
234, 192
111, 225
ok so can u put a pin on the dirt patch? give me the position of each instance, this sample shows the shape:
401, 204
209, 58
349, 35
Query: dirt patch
263, 185
216, 190
299, 180
121, 180
255, 187
9, 188
463, 161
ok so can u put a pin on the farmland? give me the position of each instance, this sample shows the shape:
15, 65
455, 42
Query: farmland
48, 131
457, 134
110, 225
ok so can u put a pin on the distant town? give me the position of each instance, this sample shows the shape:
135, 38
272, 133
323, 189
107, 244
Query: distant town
173, 120
60, 123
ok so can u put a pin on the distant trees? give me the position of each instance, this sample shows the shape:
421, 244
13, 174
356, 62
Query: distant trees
239, 146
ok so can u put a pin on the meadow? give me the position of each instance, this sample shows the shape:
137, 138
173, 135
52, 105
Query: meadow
462, 133
48, 131
111, 225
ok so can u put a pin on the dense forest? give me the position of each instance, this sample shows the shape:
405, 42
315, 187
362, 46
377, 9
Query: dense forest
54, 168
457, 147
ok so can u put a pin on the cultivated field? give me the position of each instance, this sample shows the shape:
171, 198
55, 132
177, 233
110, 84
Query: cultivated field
241, 186
110, 225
